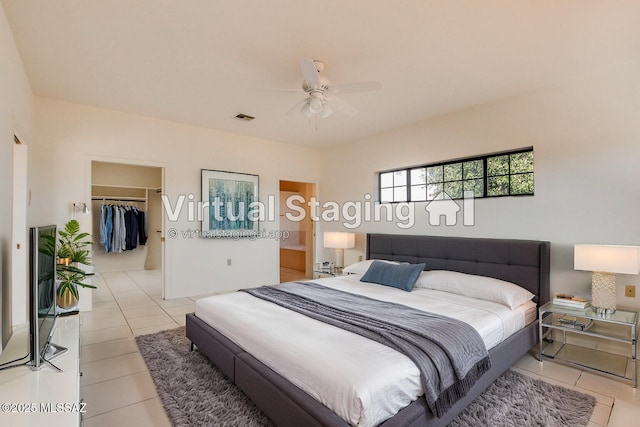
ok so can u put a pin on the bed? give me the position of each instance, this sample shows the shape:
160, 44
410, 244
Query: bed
523, 262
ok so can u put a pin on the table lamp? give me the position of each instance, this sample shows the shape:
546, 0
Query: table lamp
339, 241
605, 261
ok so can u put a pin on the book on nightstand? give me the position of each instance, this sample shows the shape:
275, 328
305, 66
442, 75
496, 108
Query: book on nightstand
574, 322
570, 301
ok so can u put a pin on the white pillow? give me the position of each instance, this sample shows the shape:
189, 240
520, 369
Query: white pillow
481, 287
362, 266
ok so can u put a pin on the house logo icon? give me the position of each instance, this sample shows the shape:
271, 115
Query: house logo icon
444, 206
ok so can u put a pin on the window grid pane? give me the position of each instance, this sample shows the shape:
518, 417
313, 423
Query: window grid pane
498, 186
475, 185
433, 190
522, 183
435, 174
399, 194
473, 169
386, 180
498, 165
393, 186
453, 189
453, 172
418, 176
399, 178
521, 162
386, 195
418, 193
487, 176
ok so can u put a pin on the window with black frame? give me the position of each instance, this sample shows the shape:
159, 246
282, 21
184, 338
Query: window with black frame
492, 175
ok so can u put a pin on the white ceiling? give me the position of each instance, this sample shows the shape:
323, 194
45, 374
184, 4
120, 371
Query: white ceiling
203, 61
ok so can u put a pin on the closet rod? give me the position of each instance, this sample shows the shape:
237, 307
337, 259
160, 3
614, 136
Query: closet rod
119, 199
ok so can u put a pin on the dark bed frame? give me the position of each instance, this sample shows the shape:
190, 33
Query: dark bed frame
524, 262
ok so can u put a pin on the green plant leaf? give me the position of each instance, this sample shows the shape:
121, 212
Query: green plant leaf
71, 243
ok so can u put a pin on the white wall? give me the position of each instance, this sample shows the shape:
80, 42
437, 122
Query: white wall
15, 117
586, 139
68, 136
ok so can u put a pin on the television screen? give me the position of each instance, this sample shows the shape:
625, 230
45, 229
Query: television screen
46, 284
42, 293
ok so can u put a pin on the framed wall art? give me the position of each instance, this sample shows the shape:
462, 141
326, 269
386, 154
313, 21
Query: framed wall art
227, 199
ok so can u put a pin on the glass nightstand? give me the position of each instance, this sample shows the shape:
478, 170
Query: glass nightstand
620, 326
323, 272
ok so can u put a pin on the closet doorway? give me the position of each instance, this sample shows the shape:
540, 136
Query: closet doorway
296, 247
128, 188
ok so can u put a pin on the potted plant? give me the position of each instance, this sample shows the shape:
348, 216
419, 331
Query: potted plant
73, 252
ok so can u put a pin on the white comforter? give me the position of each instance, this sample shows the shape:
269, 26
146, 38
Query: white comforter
364, 382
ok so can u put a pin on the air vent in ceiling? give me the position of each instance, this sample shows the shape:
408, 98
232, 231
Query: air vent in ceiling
244, 117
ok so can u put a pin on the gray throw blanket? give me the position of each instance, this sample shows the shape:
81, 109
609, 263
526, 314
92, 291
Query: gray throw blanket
450, 354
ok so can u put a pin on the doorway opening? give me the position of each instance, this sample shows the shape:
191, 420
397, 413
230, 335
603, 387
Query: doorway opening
296, 247
128, 187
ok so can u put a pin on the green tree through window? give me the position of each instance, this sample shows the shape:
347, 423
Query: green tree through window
492, 175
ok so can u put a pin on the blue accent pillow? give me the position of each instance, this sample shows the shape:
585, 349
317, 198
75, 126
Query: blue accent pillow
401, 276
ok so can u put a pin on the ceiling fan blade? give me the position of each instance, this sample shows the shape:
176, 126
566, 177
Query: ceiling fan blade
356, 87
299, 105
279, 89
343, 107
309, 72
326, 111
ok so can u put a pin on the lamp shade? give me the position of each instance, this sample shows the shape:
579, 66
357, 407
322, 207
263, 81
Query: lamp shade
607, 258
339, 240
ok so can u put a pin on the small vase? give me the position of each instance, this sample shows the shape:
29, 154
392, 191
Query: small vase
66, 300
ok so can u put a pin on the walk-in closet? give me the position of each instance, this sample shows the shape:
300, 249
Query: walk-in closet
131, 193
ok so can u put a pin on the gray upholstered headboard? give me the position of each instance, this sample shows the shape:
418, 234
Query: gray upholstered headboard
524, 262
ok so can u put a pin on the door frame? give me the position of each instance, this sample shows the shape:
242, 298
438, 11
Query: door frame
310, 243
19, 221
164, 271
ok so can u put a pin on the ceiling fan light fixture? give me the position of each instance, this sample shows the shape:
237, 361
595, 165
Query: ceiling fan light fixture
315, 105
320, 101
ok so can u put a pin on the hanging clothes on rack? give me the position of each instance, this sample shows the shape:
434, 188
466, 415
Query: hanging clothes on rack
116, 245
142, 227
106, 227
131, 226
122, 228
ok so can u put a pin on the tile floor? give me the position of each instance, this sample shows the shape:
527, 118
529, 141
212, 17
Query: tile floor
119, 391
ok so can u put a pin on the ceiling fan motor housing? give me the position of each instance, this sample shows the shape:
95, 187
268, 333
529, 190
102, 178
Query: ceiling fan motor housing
319, 65
320, 92
325, 85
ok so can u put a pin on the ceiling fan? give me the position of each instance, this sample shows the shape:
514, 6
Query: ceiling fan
320, 101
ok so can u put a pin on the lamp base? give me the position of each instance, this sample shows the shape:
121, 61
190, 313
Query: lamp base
603, 292
339, 257
603, 311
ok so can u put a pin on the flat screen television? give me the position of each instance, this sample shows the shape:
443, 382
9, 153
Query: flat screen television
42, 295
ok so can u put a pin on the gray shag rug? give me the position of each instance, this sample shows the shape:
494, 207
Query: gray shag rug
195, 393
